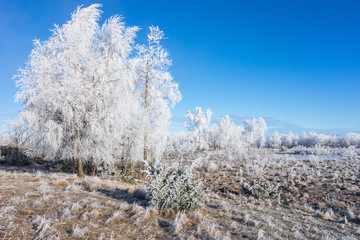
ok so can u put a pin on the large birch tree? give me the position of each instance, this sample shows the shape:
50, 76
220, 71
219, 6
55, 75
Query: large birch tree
77, 89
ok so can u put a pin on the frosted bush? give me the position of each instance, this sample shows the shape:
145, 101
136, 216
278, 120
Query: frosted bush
264, 189
172, 188
350, 153
316, 150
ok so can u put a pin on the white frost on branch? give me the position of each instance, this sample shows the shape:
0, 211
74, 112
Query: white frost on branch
81, 91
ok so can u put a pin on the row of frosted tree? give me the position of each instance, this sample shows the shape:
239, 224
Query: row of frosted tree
313, 139
226, 135
202, 135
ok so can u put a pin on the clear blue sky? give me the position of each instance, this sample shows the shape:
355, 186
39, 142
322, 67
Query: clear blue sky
295, 63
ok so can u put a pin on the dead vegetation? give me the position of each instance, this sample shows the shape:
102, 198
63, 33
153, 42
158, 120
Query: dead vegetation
319, 200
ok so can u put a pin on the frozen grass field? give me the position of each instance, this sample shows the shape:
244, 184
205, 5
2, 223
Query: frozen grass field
319, 200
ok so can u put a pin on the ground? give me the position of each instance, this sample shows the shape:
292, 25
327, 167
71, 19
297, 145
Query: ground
320, 200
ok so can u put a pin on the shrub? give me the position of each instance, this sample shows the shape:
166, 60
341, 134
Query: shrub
172, 188
263, 189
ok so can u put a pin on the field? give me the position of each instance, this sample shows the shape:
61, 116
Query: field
320, 199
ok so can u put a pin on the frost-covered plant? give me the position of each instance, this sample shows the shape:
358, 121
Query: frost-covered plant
172, 188
330, 200
78, 232
352, 139
261, 189
274, 140
350, 153
258, 165
16, 133
44, 228
197, 125
76, 88
82, 92
157, 92
230, 137
255, 131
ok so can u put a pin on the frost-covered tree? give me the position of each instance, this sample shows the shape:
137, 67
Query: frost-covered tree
197, 124
213, 137
230, 136
352, 139
290, 140
255, 131
158, 92
77, 89
226, 129
315, 139
15, 134
261, 129
275, 140
118, 77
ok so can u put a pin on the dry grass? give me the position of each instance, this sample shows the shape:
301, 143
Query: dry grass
41, 205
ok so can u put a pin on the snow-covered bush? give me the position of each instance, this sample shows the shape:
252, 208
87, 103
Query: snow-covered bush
261, 189
257, 165
316, 150
172, 188
350, 153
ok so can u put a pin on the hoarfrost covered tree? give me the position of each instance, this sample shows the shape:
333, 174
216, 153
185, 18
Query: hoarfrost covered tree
230, 136
261, 129
226, 128
290, 140
275, 140
255, 130
315, 139
213, 137
352, 139
15, 134
198, 124
77, 89
158, 92
117, 76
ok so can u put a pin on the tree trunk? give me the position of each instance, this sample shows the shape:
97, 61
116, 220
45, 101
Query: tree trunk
80, 169
146, 119
199, 147
145, 148
146, 106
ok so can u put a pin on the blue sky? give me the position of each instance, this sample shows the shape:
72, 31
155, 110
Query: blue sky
295, 63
